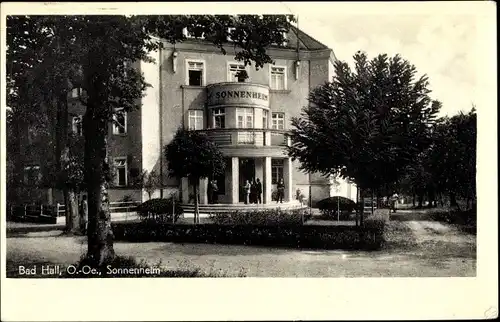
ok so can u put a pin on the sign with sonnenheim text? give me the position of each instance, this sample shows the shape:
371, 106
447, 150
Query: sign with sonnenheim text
238, 94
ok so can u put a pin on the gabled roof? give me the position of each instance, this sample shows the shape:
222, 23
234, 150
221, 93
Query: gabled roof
306, 42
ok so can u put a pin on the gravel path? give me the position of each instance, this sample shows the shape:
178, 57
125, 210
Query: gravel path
418, 249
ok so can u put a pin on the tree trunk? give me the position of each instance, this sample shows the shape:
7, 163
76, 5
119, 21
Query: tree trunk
358, 206
72, 214
100, 235
14, 188
414, 200
196, 204
420, 200
453, 201
62, 159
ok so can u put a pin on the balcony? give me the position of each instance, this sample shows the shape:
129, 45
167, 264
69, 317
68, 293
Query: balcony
247, 137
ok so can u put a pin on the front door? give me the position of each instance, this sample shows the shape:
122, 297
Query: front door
247, 172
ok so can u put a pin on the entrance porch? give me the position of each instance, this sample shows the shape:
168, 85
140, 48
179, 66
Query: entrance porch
238, 170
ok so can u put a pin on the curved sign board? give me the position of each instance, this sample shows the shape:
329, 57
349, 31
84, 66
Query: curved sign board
238, 94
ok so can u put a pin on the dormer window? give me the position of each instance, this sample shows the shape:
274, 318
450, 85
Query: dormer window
285, 40
191, 35
229, 31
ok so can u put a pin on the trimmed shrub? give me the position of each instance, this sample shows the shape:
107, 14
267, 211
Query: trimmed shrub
329, 207
159, 210
261, 217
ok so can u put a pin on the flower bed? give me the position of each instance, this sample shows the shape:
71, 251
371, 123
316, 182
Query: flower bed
261, 217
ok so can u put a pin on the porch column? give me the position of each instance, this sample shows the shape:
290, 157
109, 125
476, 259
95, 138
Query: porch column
185, 190
234, 195
287, 177
267, 180
203, 191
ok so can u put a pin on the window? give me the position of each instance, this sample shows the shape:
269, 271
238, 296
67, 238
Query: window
121, 172
195, 121
76, 125
278, 121
284, 43
195, 73
245, 118
126, 66
32, 175
192, 35
120, 122
233, 70
229, 31
76, 92
278, 78
276, 170
265, 119
219, 118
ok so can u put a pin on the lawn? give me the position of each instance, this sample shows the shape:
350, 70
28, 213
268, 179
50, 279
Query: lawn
414, 249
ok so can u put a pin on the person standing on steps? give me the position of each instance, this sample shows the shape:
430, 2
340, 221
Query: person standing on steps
246, 191
258, 189
215, 191
281, 190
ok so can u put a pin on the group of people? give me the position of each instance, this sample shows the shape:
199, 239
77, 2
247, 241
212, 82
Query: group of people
253, 191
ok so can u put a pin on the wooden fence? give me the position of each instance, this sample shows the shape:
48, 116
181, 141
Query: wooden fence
49, 213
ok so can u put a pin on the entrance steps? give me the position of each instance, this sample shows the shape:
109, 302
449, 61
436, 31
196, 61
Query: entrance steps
219, 208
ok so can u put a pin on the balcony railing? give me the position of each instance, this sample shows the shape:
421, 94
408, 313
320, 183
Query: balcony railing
247, 137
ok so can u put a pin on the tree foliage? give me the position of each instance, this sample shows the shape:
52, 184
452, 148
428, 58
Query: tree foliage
367, 124
191, 154
448, 166
51, 54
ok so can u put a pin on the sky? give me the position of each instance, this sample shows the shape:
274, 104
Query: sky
441, 44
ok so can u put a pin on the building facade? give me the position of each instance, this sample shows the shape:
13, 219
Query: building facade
195, 86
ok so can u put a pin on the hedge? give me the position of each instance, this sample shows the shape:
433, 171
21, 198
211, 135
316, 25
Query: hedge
262, 217
369, 237
466, 219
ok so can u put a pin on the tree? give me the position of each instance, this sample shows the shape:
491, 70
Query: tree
40, 78
98, 47
365, 125
150, 182
452, 159
192, 155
